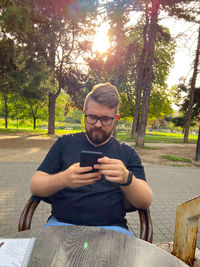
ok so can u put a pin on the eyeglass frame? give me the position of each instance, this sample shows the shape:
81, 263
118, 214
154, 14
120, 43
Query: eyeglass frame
99, 119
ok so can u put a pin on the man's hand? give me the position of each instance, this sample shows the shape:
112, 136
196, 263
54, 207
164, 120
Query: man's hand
44, 184
76, 176
138, 192
113, 170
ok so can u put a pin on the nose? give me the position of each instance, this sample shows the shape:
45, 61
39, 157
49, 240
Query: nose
98, 123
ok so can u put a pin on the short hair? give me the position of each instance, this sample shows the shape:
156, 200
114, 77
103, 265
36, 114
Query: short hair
105, 94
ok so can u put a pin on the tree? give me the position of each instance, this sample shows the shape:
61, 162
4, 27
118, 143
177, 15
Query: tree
163, 59
54, 35
179, 122
183, 105
7, 69
105, 67
145, 70
159, 106
192, 89
117, 12
197, 154
36, 111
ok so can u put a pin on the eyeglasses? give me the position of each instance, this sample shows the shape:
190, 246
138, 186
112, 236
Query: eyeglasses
105, 120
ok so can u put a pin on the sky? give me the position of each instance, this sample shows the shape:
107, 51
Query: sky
186, 35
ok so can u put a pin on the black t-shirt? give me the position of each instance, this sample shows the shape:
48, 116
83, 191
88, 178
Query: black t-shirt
100, 203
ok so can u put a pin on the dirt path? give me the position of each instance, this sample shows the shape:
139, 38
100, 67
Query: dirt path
26, 148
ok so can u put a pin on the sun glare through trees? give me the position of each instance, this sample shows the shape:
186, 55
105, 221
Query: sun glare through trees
101, 42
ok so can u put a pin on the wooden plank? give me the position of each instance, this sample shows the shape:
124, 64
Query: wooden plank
186, 229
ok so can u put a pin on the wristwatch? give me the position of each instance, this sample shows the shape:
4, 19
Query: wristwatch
129, 180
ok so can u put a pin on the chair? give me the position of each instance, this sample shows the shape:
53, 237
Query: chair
146, 227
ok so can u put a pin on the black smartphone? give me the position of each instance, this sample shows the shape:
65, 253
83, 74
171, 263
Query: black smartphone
89, 158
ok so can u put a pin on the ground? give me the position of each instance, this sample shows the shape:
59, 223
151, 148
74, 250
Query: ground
29, 148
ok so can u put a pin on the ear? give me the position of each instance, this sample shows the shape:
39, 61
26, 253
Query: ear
117, 117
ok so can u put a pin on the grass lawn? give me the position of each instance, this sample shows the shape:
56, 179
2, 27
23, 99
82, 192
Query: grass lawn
151, 137
35, 132
158, 137
177, 159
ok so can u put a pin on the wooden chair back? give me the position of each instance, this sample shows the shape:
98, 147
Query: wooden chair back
146, 227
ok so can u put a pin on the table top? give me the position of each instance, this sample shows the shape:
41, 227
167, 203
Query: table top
89, 246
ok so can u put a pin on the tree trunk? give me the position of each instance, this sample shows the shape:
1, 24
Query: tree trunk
119, 41
6, 110
191, 95
116, 83
147, 84
52, 96
134, 128
140, 79
51, 110
34, 123
197, 155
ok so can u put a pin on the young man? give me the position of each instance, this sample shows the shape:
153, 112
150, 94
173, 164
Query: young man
96, 198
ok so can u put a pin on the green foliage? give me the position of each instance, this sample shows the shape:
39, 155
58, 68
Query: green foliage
164, 57
15, 18
160, 104
7, 64
61, 104
179, 121
23, 108
42, 40
51, 34
74, 116
104, 67
196, 102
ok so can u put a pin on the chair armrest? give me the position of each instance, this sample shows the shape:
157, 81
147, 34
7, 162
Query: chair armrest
146, 226
150, 227
27, 213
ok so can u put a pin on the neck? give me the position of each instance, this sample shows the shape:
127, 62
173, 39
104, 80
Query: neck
96, 145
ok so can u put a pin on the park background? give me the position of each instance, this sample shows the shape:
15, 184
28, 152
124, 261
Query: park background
49, 62
53, 52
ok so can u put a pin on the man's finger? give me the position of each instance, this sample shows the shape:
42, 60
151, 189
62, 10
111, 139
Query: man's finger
90, 175
85, 169
106, 166
107, 160
110, 173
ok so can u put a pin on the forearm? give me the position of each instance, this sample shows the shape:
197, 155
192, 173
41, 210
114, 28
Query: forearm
44, 184
138, 193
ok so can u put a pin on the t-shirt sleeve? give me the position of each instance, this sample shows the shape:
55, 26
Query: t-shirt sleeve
135, 165
53, 160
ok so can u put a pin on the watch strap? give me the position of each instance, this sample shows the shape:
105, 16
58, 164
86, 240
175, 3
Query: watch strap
129, 180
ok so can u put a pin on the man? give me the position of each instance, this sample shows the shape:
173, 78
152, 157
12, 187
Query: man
95, 198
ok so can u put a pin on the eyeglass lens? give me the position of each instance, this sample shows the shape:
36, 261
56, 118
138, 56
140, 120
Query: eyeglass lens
105, 120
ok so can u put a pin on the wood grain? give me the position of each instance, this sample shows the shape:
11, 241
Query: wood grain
75, 246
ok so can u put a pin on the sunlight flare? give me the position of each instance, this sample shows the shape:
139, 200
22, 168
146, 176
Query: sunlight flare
101, 42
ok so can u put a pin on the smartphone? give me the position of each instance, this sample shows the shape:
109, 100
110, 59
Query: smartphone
89, 158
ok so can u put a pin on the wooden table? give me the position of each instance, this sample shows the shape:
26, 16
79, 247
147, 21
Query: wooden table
89, 246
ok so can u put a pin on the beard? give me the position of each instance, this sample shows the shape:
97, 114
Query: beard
98, 136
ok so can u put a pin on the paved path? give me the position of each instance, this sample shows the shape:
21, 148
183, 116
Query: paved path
171, 186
